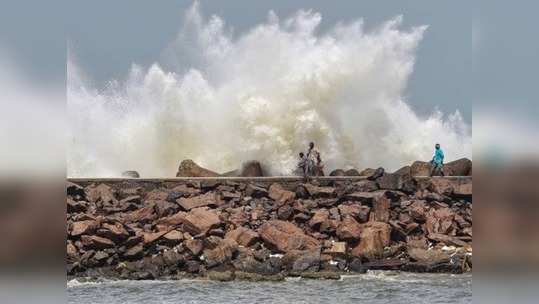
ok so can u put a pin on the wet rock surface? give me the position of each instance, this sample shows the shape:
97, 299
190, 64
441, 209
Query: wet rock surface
266, 230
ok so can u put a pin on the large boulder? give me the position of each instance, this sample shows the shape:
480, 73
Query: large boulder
374, 237
96, 242
189, 168
380, 209
285, 236
460, 167
251, 169
420, 168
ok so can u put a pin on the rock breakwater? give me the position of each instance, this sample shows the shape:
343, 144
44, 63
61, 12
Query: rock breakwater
268, 228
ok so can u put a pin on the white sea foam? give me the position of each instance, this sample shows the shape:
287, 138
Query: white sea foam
262, 94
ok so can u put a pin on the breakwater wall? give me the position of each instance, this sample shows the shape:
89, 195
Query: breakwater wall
267, 227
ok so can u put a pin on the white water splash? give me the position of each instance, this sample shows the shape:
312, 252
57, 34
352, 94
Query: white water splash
263, 94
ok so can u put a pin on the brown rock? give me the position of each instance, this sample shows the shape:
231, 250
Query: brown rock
115, 232
200, 220
96, 242
222, 253
380, 210
102, 193
336, 248
84, 227
189, 168
349, 229
243, 236
185, 190
173, 236
352, 172
374, 237
280, 195
207, 199
358, 212
427, 256
252, 169
173, 220
142, 215
134, 252
150, 237
318, 218
194, 246
420, 168
315, 191
285, 236
71, 250
440, 221
460, 167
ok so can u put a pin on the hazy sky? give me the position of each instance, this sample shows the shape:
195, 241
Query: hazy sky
108, 36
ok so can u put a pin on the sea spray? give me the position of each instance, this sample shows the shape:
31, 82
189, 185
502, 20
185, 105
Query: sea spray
221, 98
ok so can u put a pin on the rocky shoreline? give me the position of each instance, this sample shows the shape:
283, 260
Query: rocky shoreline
256, 229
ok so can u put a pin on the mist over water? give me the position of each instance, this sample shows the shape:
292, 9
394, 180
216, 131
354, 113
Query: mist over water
221, 98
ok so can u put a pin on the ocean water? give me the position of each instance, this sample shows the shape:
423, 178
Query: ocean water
373, 287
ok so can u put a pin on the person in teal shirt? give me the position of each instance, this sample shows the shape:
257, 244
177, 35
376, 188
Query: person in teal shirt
437, 161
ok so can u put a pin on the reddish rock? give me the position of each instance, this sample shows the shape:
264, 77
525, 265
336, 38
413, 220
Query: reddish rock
285, 236
200, 220
96, 242
374, 237
207, 199
173, 220
185, 190
157, 195
84, 227
440, 221
141, 215
380, 210
189, 168
150, 237
243, 236
349, 229
101, 192
318, 218
280, 195
115, 232
173, 236
335, 248
358, 212
222, 253
418, 211
315, 191
427, 256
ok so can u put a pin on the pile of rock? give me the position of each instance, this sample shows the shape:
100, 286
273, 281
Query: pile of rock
224, 229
